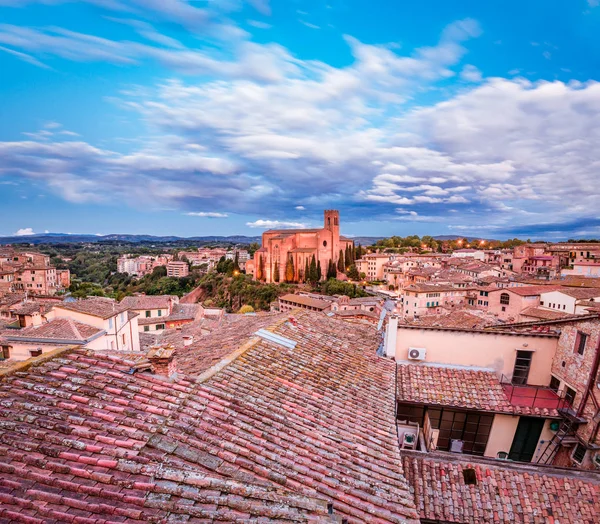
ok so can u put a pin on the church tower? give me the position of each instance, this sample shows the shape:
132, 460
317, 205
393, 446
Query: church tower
332, 223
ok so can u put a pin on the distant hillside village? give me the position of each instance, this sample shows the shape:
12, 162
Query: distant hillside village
443, 385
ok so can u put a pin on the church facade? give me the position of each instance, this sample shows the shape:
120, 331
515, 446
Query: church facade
299, 245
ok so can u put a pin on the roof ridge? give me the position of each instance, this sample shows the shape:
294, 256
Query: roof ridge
73, 326
234, 355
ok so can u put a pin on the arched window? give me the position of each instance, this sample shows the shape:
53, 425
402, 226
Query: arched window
328, 221
505, 298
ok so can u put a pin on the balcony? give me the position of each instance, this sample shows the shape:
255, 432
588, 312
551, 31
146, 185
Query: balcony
541, 397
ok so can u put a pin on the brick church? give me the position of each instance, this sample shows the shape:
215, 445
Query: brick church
279, 245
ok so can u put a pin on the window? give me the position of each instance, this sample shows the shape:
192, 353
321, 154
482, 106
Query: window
554, 384
522, 365
123, 338
505, 298
4, 352
503, 308
570, 395
160, 326
146, 328
159, 313
148, 314
35, 352
580, 342
324, 243
110, 323
579, 453
122, 318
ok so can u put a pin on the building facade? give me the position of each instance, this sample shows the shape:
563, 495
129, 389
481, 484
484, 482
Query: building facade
299, 246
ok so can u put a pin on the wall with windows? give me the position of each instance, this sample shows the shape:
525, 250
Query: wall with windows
497, 351
572, 368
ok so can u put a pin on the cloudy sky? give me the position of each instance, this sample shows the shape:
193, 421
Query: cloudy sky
194, 117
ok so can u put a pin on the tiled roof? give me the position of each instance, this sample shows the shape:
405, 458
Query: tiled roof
83, 441
543, 314
140, 302
316, 421
456, 319
56, 330
97, 306
526, 291
504, 492
208, 349
581, 293
305, 301
465, 388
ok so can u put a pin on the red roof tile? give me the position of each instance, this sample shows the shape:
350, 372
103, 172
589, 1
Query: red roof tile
504, 492
276, 434
465, 388
56, 330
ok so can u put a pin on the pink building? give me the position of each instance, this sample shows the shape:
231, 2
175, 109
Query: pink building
509, 303
299, 246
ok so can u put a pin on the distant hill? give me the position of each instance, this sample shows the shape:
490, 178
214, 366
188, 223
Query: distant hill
62, 238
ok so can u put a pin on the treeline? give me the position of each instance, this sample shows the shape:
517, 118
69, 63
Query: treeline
312, 271
429, 243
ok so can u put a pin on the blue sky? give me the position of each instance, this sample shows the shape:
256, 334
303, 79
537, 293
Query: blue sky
227, 117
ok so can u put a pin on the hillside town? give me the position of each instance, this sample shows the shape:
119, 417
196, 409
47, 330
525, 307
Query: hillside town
462, 387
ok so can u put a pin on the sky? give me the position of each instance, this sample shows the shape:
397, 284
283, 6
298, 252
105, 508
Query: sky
192, 117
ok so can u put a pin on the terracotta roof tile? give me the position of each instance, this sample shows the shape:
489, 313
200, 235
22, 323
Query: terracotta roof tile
503, 493
56, 330
466, 388
81, 442
140, 302
97, 306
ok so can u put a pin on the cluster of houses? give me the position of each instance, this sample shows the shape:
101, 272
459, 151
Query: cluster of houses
140, 265
30, 272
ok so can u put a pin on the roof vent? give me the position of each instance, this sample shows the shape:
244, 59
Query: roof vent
276, 339
470, 476
187, 340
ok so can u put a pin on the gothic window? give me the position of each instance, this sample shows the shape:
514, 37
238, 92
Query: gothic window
504, 298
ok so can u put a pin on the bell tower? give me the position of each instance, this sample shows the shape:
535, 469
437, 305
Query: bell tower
332, 221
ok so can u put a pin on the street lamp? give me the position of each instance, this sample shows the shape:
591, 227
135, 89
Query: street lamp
236, 273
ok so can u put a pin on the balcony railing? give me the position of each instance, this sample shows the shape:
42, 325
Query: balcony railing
534, 396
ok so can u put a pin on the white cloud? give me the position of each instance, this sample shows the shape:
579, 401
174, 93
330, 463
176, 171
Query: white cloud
258, 24
300, 208
275, 224
207, 214
26, 231
470, 73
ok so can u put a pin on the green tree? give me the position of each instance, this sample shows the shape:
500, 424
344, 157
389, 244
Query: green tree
260, 273
312, 271
246, 309
306, 275
276, 272
331, 270
236, 262
253, 248
359, 252
319, 271
353, 273
341, 265
289, 270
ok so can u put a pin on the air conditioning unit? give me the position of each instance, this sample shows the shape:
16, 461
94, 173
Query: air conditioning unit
416, 353
456, 446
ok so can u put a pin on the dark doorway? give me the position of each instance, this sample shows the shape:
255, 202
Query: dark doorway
526, 439
522, 365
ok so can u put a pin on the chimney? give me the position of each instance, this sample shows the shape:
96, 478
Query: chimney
187, 340
162, 360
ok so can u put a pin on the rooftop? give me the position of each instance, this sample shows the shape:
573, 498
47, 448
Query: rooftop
97, 307
148, 301
306, 301
459, 387
502, 492
59, 329
273, 432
